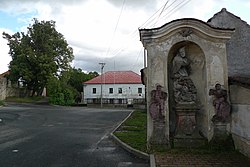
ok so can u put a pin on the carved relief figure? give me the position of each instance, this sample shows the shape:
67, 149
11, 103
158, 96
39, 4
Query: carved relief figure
184, 89
158, 98
222, 107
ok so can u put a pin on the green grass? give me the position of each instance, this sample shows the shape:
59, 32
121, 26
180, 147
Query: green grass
134, 130
24, 99
134, 133
1, 102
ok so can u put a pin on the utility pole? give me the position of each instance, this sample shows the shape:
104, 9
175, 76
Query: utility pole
102, 66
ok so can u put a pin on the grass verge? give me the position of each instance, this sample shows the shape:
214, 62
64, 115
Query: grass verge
134, 130
24, 99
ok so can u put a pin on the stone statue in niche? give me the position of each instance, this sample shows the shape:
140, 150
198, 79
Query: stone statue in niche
184, 89
181, 64
222, 107
157, 105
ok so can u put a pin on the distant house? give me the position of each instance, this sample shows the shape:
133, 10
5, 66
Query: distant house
118, 87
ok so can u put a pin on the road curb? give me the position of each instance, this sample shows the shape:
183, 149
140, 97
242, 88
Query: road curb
128, 148
152, 160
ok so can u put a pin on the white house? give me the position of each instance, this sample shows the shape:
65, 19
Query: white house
118, 87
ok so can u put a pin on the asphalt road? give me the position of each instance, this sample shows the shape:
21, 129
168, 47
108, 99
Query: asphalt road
55, 136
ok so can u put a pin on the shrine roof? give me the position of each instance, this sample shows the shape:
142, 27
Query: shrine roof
186, 20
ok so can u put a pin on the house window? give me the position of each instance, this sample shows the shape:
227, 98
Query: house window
139, 90
94, 91
119, 90
111, 90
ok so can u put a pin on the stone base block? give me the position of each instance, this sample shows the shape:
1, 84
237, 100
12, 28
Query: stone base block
220, 130
159, 135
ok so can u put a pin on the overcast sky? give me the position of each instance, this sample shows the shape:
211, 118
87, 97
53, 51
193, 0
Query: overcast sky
106, 30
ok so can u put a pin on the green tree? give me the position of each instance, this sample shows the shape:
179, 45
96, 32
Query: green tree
60, 92
65, 89
77, 77
38, 55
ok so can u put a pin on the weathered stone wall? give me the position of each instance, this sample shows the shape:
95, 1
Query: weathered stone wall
7, 90
3, 88
240, 125
238, 46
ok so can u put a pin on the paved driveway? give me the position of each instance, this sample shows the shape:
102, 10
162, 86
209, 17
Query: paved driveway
54, 136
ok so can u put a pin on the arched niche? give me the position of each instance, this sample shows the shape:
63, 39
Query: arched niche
197, 61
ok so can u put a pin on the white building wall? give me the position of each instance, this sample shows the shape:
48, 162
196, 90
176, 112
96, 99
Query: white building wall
129, 91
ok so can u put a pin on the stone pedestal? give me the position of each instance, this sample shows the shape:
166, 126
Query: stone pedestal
187, 134
159, 136
220, 130
222, 139
185, 120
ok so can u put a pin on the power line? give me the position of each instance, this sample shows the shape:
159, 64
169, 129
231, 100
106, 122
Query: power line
163, 9
178, 6
118, 20
173, 7
137, 57
118, 51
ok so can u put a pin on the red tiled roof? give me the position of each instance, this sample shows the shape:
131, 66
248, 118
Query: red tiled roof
116, 77
5, 73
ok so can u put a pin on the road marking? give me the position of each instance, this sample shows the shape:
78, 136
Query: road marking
14, 142
14, 151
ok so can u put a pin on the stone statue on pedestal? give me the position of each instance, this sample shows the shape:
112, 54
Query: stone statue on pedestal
222, 107
157, 105
184, 89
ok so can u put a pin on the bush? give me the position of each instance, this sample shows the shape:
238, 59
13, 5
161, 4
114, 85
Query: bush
60, 93
57, 98
1, 103
68, 97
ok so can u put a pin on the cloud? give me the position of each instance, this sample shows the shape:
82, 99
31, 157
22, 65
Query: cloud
4, 49
92, 27
91, 35
122, 62
147, 4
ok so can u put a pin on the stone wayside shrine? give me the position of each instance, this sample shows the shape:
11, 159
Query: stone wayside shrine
186, 82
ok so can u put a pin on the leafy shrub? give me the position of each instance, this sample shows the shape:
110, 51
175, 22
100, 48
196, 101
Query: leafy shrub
60, 93
1, 103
